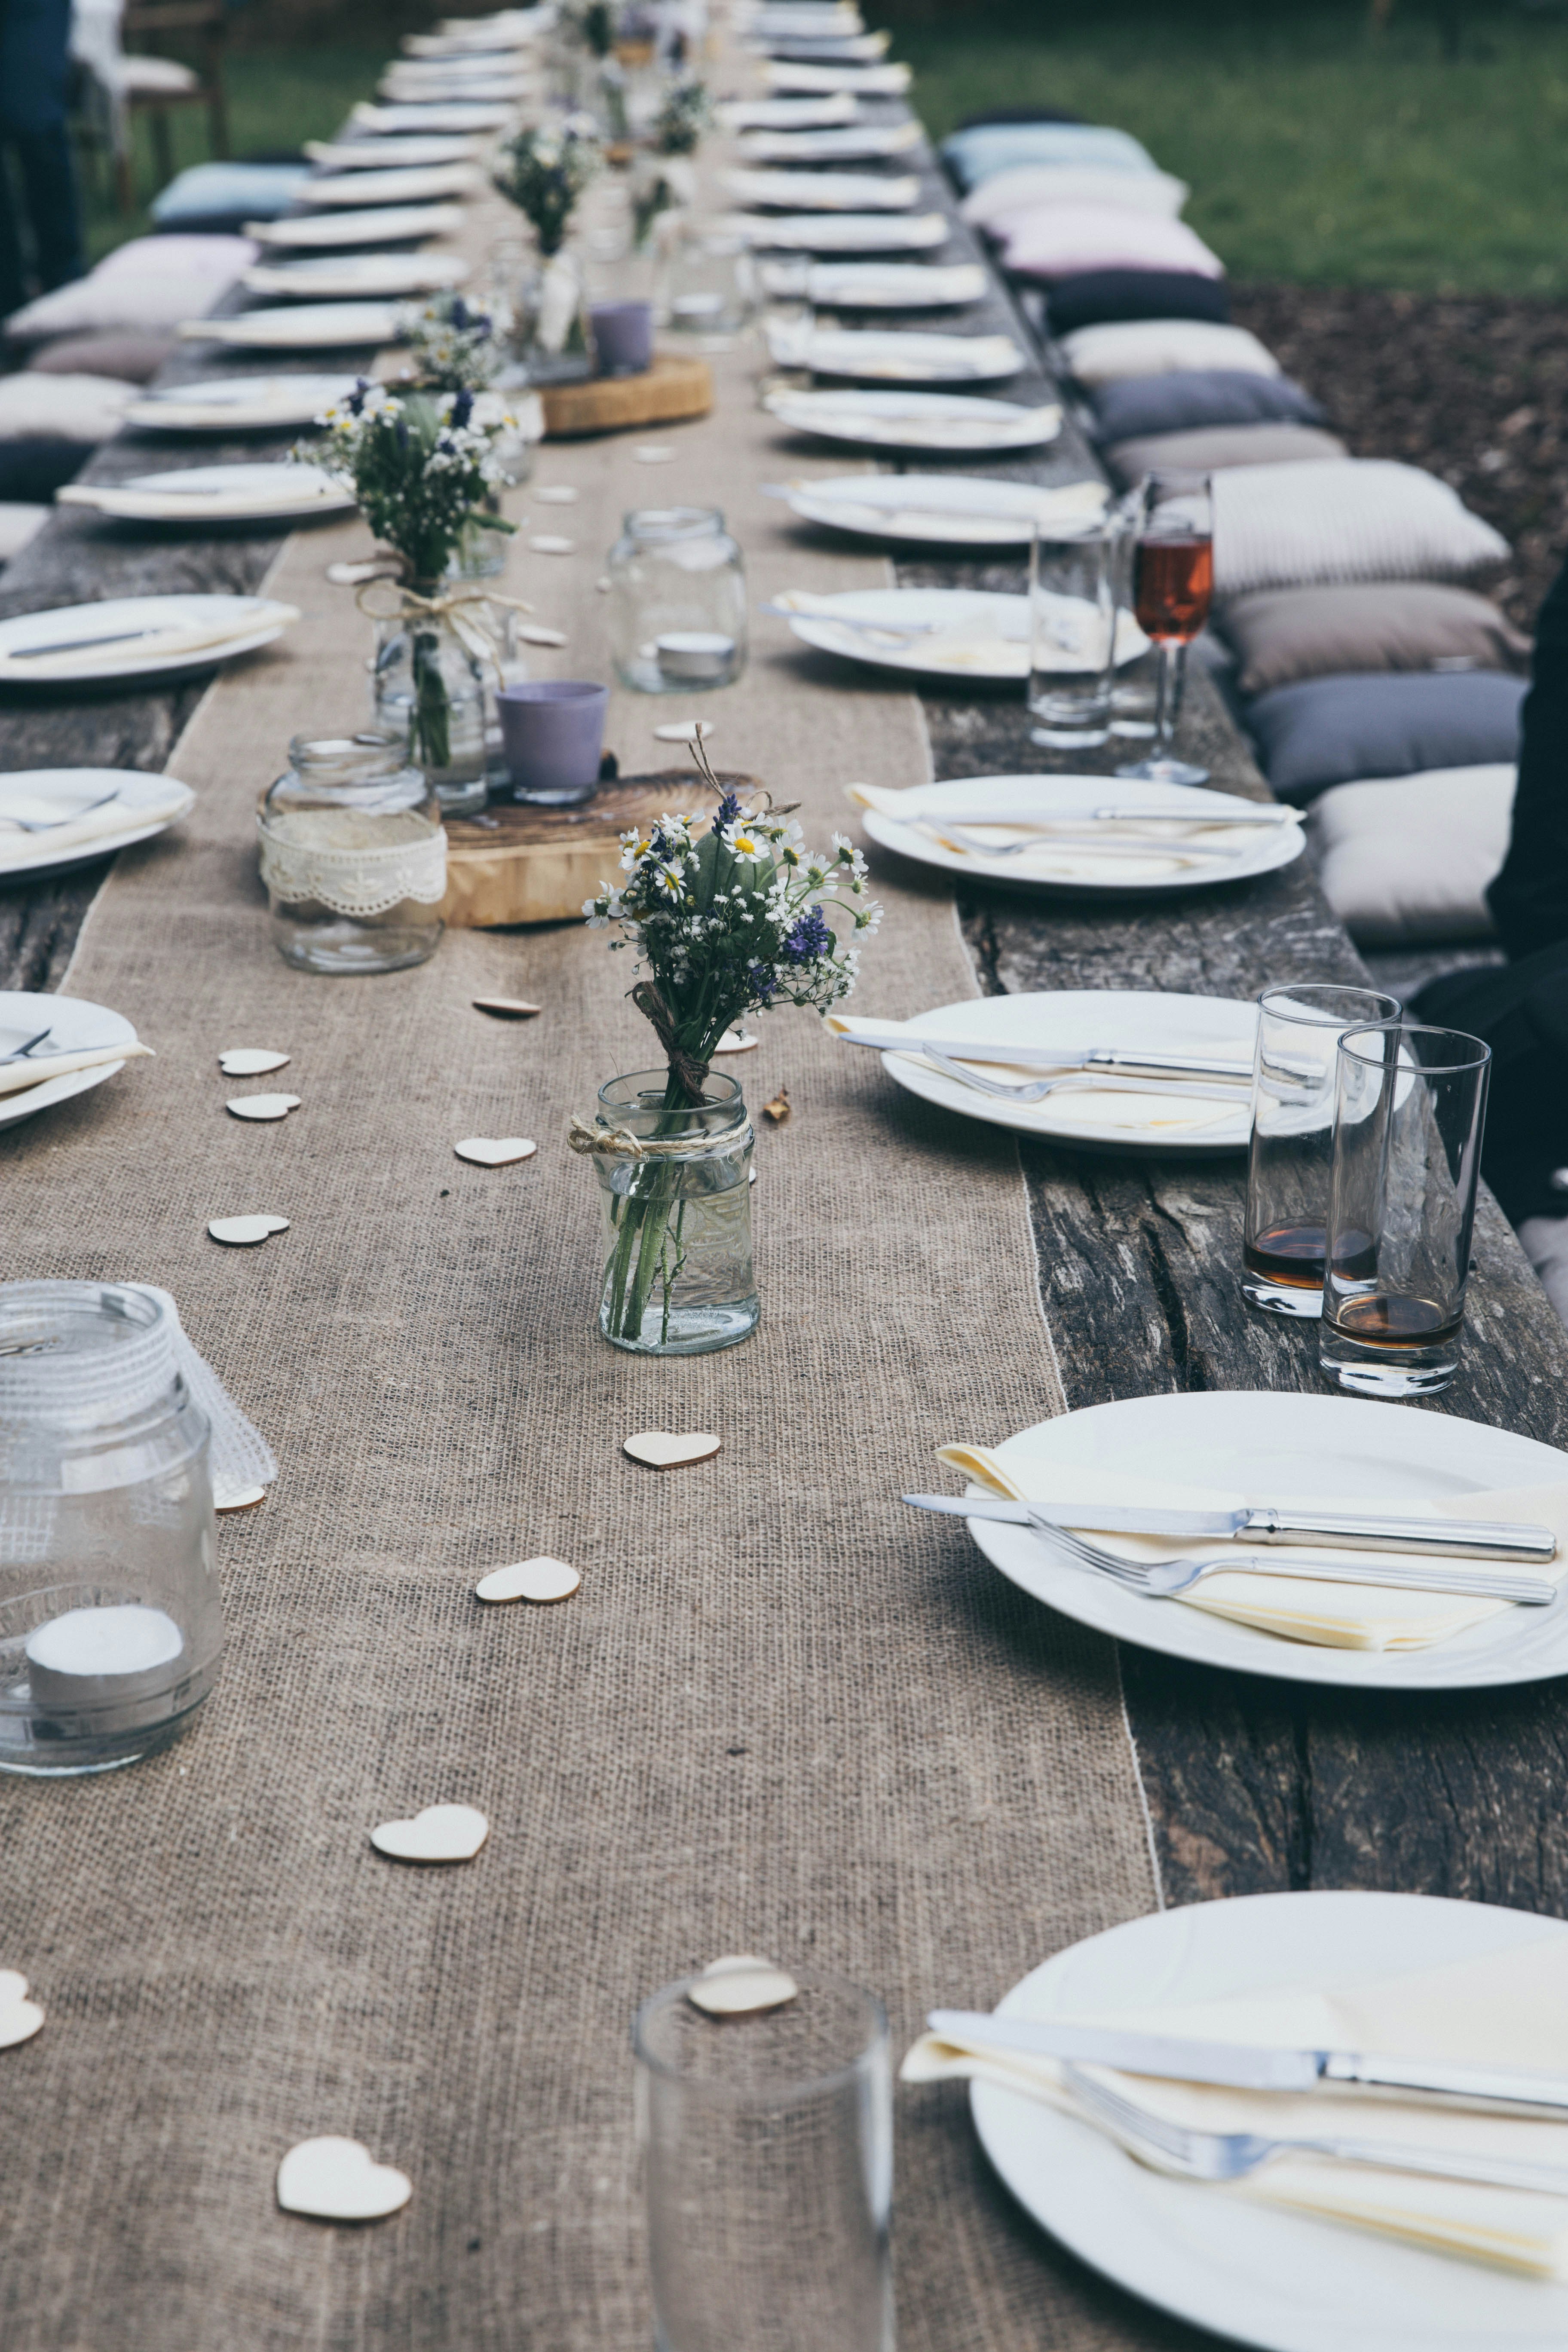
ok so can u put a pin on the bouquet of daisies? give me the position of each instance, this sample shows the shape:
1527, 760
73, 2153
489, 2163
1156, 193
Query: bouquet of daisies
681, 122
422, 465
544, 171
454, 348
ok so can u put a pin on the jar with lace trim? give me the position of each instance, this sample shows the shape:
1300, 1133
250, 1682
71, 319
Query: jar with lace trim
353, 855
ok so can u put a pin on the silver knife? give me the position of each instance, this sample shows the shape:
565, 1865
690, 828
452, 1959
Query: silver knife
1267, 1523
1237, 2065
1139, 813
1056, 1057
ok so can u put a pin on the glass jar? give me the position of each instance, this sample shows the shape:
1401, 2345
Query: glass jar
353, 856
675, 1185
707, 281
429, 692
553, 334
110, 1624
678, 601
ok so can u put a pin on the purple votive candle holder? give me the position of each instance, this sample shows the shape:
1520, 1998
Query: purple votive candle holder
623, 337
552, 732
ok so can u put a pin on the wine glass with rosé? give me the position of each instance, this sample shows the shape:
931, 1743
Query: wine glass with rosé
1173, 587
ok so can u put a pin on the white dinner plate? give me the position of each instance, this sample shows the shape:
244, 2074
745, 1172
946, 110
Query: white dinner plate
861, 81
150, 804
840, 232
877, 355
239, 404
395, 225
386, 155
1125, 1019
933, 422
75, 1027
391, 121
894, 285
353, 277
822, 191
301, 327
859, 142
1256, 2275
355, 188
465, 84
1275, 843
838, 109
246, 622
956, 509
965, 633
1299, 1449
280, 491
858, 49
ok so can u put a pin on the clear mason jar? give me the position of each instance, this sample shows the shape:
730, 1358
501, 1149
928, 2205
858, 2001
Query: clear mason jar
705, 282
353, 856
110, 1624
429, 691
678, 1273
554, 333
678, 601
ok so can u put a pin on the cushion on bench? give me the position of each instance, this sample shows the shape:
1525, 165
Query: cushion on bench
1093, 297
1136, 347
1212, 448
1340, 731
1198, 397
1050, 241
1072, 184
1406, 864
1282, 634
1370, 518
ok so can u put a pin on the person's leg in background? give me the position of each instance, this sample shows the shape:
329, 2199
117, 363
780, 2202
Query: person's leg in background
34, 67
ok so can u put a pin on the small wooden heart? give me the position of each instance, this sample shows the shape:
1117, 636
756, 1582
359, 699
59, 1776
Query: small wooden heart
544, 545
536, 632
440, 1833
249, 1061
488, 1151
19, 2017
244, 1233
650, 455
661, 1451
683, 730
338, 2180
262, 1106
507, 1008
741, 1986
530, 1579
738, 1041
237, 1498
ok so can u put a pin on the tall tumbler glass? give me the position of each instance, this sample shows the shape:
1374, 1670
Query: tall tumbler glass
768, 2147
1173, 587
1290, 1159
1072, 632
1410, 1110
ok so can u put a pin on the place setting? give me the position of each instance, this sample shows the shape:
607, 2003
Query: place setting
929, 423
54, 1047
1056, 833
937, 509
136, 637
59, 816
284, 490
859, 142
890, 285
826, 192
399, 224
398, 188
888, 356
834, 232
440, 116
390, 151
358, 277
978, 634
239, 403
301, 327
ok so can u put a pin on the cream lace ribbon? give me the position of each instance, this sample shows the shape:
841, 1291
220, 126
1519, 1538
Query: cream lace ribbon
348, 877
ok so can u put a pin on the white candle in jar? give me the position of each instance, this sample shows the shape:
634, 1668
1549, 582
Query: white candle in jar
694, 657
116, 1663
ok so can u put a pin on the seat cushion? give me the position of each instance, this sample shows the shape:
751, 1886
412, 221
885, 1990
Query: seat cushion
133, 359
20, 524
1072, 184
1368, 518
86, 409
1343, 730
1134, 347
1213, 447
151, 77
1406, 864
1091, 297
148, 285
1197, 397
228, 193
973, 155
1280, 635
1050, 241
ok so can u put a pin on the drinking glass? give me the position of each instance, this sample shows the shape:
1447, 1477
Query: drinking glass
1409, 1114
1172, 586
1291, 1158
1072, 632
706, 285
768, 2148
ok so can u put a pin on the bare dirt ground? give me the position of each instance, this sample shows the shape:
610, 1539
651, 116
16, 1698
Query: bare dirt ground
1473, 388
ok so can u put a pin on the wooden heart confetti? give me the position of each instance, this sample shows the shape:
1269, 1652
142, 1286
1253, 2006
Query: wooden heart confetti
660, 1451
489, 1151
546, 545
244, 1233
249, 1061
507, 1008
338, 2180
530, 1579
262, 1106
738, 1041
237, 1498
651, 455
683, 730
19, 2017
537, 633
741, 1986
555, 494
778, 1109
440, 1833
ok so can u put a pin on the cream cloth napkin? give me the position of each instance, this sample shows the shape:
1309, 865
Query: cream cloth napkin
1194, 847
1012, 428
1509, 2009
195, 506
135, 653
1334, 1616
96, 828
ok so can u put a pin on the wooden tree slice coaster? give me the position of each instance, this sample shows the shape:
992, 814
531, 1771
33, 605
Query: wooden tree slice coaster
671, 388
530, 864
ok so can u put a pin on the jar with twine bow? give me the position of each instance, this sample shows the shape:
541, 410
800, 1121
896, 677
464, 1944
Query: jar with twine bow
727, 914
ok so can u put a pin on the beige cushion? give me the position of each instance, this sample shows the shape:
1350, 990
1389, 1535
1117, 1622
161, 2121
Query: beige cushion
1282, 634
1071, 183
1365, 519
1163, 347
1208, 448
85, 408
1406, 861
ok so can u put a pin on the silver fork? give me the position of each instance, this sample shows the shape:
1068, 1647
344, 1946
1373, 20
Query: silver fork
51, 823
1034, 1090
1192, 852
1166, 1579
1234, 2155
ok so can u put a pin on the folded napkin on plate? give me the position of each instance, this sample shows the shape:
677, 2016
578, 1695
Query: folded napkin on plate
1334, 1616
134, 652
1506, 2009
95, 828
1046, 860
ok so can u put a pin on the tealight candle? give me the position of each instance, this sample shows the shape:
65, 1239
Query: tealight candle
695, 656
114, 1664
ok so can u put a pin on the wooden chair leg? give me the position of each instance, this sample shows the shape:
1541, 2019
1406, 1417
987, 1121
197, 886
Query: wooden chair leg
217, 113
125, 177
162, 145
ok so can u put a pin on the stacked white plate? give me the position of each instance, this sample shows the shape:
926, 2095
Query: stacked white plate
397, 224
280, 492
349, 188
135, 636
925, 421
894, 285
814, 191
353, 277
859, 143
841, 232
301, 327
951, 509
239, 403
386, 155
879, 356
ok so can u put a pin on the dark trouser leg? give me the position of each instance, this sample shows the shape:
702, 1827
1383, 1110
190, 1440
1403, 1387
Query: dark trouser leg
48, 183
13, 287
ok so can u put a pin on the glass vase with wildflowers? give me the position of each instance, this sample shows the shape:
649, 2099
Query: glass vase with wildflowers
452, 346
544, 169
686, 115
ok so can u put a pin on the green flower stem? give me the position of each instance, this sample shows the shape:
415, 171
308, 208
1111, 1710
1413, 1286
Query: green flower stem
431, 735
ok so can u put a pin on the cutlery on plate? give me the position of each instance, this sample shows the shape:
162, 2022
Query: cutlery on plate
49, 823
20, 1053
1245, 2067
895, 1037
958, 836
1270, 1523
13, 1080
78, 645
1234, 2155
1072, 1082
1167, 1579
1191, 820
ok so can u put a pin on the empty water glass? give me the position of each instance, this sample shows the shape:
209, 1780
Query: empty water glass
706, 285
1072, 632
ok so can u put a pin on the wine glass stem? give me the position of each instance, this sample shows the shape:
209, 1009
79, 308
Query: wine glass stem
1168, 701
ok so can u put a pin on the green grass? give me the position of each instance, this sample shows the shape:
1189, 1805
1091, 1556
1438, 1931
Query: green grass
276, 98
1316, 149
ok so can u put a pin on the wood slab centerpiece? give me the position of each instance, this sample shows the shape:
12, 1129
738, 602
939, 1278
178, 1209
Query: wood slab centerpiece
672, 388
530, 864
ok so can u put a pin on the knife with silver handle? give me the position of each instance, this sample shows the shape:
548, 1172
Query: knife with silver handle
1509, 2090
1256, 813
894, 1037
959, 836
1267, 1523
1226, 1102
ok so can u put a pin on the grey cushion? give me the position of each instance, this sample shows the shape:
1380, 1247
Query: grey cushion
1182, 403
1336, 730
1213, 447
133, 358
1280, 635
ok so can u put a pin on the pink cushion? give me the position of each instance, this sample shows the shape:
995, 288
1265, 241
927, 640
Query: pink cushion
1059, 240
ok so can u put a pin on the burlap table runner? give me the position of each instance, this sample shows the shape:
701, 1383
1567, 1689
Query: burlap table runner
783, 1714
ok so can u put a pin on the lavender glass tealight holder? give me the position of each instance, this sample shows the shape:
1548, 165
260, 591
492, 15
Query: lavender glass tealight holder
552, 732
623, 337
